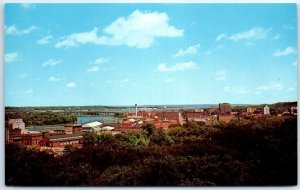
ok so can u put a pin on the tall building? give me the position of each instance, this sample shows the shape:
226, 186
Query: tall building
135, 109
224, 108
266, 110
250, 110
17, 124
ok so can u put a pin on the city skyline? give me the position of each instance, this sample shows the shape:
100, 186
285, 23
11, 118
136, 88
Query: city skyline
149, 54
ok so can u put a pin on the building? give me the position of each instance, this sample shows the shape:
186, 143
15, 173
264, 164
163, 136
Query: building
73, 128
51, 140
31, 139
266, 110
12, 135
167, 115
250, 110
226, 118
143, 114
93, 126
212, 111
17, 124
224, 108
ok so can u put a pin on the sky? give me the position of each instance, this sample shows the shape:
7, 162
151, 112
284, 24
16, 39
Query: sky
159, 54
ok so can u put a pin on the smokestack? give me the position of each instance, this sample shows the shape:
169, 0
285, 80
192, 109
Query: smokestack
135, 109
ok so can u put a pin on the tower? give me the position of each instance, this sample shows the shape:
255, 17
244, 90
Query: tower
135, 109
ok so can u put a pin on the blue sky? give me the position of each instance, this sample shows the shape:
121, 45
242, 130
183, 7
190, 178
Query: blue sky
122, 54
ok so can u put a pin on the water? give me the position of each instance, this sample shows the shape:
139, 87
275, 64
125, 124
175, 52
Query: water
88, 119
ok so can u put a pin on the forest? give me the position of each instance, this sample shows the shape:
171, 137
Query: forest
258, 152
41, 118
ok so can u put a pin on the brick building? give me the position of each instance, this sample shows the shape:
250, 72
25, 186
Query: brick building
33, 139
224, 108
73, 128
12, 135
50, 140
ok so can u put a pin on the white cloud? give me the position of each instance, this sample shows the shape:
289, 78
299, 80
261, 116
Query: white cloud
294, 63
237, 90
221, 37
140, 29
221, 75
13, 30
54, 79
208, 52
169, 80
276, 86
93, 69
23, 75
124, 81
51, 62
177, 67
71, 85
101, 60
28, 5
276, 37
286, 51
249, 43
11, 57
45, 40
189, 50
271, 87
290, 89
253, 33
28, 91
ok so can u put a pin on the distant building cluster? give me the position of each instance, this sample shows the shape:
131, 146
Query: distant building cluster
55, 140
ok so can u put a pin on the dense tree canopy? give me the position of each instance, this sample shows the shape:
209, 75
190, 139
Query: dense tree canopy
42, 118
250, 152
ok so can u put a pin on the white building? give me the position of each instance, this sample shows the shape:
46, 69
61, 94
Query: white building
93, 126
17, 124
266, 110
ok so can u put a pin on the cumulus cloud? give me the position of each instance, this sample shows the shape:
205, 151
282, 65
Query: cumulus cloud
93, 69
271, 87
285, 52
221, 37
140, 29
28, 91
101, 60
54, 79
177, 67
11, 57
221, 75
237, 90
253, 34
13, 30
45, 40
124, 81
189, 50
71, 85
51, 62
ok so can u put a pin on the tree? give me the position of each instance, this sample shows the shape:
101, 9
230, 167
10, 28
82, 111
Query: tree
148, 128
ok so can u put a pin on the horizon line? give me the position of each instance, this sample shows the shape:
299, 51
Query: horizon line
141, 105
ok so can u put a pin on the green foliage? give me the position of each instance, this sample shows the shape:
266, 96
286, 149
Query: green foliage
261, 152
160, 137
148, 128
42, 118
